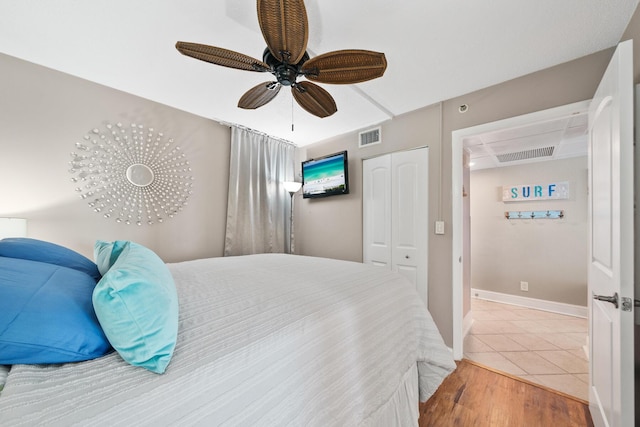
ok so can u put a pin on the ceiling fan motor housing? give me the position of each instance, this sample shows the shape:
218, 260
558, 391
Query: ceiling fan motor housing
285, 73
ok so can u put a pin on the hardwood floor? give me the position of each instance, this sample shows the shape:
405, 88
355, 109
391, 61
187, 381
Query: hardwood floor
474, 395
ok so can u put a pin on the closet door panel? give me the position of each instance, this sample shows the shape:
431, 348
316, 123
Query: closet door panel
377, 211
409, 214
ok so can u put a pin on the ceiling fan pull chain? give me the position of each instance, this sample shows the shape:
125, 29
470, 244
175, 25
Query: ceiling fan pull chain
292, 113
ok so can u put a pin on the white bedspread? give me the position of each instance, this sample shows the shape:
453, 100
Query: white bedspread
264, 340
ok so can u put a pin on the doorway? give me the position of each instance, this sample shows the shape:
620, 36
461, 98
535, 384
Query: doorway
462, 139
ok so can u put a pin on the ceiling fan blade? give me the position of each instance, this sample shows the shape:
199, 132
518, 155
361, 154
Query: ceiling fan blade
259, 95
314, 99
285, 28
220, 56
345, 66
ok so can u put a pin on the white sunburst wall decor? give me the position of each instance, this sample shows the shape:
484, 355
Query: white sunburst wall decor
132, 174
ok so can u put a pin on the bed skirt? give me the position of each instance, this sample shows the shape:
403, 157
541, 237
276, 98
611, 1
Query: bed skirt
402, 410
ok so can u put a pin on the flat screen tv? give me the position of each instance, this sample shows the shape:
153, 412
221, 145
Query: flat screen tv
325, 176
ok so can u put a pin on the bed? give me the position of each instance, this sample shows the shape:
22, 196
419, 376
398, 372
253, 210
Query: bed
262, 340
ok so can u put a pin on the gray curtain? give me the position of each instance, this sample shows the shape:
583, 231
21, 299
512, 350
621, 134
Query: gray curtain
258, 205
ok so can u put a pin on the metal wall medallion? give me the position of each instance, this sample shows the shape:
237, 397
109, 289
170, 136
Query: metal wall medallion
133, 174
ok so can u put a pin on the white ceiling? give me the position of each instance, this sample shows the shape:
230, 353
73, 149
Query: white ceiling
436, 50
563, 137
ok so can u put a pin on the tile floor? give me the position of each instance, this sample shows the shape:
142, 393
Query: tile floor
541, 347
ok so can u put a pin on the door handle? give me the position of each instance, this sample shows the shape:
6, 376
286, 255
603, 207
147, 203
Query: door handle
613, 300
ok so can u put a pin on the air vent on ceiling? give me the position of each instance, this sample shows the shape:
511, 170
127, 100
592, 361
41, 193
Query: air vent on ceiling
370, 137
525, 155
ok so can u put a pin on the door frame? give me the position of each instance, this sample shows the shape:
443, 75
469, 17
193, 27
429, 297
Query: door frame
457, 231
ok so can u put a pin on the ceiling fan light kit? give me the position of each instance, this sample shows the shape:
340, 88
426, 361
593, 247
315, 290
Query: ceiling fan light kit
285, 29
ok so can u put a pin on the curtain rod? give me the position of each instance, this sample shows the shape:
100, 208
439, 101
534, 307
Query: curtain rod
257, 132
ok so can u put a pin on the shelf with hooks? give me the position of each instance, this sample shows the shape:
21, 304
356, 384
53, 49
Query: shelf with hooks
550, 214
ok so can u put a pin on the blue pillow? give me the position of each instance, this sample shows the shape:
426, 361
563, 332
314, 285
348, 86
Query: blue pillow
137, 305
46, 314
38, 250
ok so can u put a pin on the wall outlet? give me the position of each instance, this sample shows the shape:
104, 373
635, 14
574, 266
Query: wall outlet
524, 286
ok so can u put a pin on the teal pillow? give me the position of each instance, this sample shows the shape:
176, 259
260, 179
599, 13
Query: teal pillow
137, 305
106, 254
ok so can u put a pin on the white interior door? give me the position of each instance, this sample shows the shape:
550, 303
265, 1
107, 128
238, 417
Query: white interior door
610, 275
376, 206
409, 236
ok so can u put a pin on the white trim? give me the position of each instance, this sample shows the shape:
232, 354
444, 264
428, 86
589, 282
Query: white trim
585, 348
457, 246
537, 304
457, 144
467, 323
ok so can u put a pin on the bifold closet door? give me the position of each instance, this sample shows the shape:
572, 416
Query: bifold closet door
376, 211
395, 214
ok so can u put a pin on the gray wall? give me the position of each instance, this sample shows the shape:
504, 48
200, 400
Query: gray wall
43, 113
333, 227
551, 255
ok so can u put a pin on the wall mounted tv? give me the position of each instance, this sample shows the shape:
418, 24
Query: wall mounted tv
325, 176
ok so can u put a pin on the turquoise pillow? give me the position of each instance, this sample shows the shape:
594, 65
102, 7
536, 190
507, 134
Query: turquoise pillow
106, 254
137, 305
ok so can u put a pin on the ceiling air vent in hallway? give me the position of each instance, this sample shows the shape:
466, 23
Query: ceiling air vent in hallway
370, 137
525, 155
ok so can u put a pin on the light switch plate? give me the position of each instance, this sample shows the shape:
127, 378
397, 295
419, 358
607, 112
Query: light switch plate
439, 227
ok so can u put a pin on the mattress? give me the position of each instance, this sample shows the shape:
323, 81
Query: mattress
263, 340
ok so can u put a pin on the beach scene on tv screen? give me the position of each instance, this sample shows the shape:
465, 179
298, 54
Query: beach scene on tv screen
324, 176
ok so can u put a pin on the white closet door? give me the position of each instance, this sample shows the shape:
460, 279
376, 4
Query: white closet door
409, 212
395, 214
376, 206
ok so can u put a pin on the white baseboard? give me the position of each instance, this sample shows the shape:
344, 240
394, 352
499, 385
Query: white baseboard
538, 304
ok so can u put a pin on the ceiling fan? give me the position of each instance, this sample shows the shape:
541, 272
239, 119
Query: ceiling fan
285, 29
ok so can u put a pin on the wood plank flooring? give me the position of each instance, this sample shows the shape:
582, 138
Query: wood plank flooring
474, 395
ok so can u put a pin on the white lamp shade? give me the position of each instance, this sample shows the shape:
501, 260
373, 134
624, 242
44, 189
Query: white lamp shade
292, 186
13, 227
